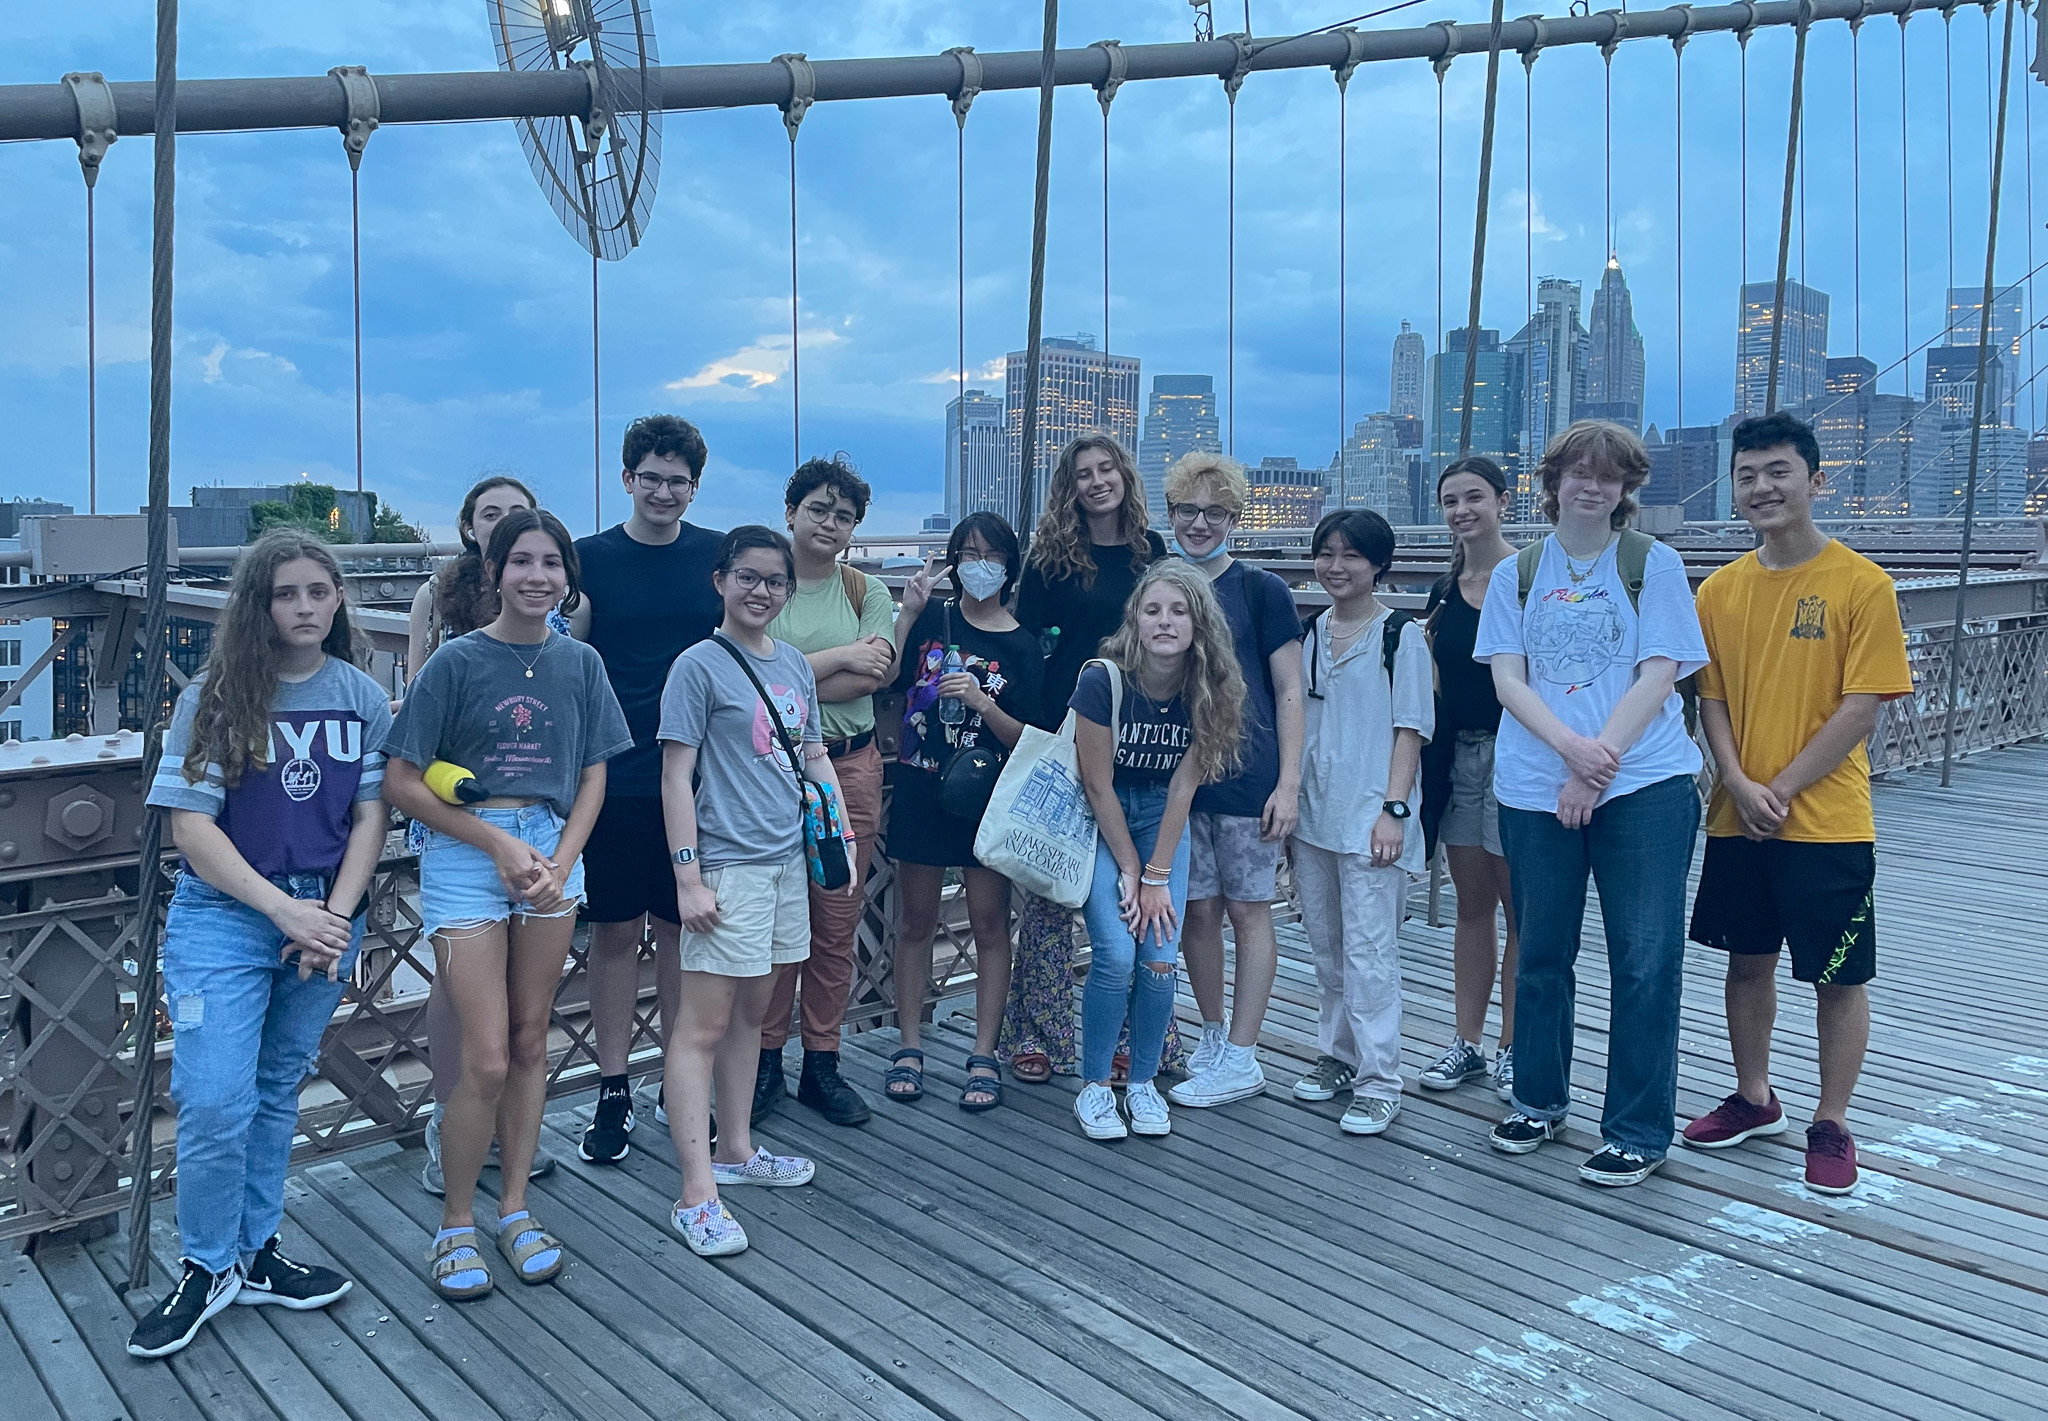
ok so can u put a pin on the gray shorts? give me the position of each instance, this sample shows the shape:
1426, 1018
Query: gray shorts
1229, 860
1472, 819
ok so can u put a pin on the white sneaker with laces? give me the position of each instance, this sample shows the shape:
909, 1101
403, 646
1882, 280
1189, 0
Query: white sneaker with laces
1236, 1075
1215, 1037
1149, 1115
1368, 1115
1095, 1108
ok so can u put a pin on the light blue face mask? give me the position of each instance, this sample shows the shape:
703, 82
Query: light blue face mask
980, 578
1222, 549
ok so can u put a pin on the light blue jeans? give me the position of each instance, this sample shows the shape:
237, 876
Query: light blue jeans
248, 1033
459, 884
1110, 995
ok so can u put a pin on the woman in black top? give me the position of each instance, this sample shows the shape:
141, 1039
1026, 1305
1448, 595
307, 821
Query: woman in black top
1458, 774
1086, 554
997, 690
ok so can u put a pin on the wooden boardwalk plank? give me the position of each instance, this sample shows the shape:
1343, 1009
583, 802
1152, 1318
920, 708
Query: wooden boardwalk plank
71, 1380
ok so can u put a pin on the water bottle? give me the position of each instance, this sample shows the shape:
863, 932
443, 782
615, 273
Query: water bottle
952, 710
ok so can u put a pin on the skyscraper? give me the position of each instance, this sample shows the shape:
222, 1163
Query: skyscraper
1409, 353
1496, 399
1803, 346
1614, 355
1688, 468
1866, 441
1180, 417
1282, 494
1372, 469
2008, 323
975, 466
1080, 390
1554, 349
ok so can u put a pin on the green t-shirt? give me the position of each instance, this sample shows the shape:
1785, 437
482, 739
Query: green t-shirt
820, 618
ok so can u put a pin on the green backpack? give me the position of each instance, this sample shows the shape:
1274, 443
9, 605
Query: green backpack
1631, 557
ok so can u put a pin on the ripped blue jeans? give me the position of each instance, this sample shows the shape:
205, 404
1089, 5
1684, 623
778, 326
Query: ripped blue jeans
247, 1035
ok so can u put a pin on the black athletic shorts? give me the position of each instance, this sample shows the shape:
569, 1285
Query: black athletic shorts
1756, 897
626, 872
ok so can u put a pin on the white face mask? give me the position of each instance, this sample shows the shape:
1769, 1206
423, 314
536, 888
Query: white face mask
980, 578
1203, 559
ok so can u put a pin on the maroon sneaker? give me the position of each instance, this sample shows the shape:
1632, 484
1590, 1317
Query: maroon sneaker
1830, 1158
1733, 1121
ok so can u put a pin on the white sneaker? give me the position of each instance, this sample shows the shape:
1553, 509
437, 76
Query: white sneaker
1095, 1108
1236, 1075
1215, 1037
1368, 1115
1149, 1115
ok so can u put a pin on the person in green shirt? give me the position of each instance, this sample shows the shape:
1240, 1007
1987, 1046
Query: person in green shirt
841, 619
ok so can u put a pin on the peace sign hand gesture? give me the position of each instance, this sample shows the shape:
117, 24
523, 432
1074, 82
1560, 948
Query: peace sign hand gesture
917, 592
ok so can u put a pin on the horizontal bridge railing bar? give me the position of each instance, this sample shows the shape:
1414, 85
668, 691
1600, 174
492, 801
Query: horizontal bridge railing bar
43, 111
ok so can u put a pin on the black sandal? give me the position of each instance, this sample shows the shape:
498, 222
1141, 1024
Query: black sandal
912, 1076
990, 1085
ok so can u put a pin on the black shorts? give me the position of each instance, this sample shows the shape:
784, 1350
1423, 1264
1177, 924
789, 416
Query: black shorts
920, 829
1756, 897
626, 872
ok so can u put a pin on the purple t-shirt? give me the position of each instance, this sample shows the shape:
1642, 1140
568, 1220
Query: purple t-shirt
292, 814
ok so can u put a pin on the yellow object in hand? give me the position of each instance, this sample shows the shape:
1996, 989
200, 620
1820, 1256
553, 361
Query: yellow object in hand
454, 784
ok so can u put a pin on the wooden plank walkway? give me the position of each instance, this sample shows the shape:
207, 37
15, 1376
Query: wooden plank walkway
1254, 1265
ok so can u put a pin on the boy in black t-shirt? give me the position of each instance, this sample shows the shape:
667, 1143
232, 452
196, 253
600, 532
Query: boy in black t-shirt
647, 596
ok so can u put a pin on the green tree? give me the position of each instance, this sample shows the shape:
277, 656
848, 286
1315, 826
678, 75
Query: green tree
312, 508
388, 525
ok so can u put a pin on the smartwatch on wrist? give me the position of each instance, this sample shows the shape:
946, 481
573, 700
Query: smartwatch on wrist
1398, 808
684, 856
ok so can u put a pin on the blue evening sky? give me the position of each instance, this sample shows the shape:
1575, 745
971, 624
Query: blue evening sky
476, 302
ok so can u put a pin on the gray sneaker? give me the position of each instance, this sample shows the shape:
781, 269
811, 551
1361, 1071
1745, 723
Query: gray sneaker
1504, 1073
1328, 1076
1368, 1115
1460, 1063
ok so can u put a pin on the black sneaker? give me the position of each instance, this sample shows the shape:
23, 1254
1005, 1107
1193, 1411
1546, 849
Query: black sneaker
770, 1084
604, 1142
1617, 1169
273, 1278
172, 1323
1519, 1133
822, 1088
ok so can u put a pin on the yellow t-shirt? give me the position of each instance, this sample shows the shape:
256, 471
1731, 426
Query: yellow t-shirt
1786, 647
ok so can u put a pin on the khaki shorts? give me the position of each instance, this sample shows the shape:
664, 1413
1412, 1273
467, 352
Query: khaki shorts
764, 920
1472, 819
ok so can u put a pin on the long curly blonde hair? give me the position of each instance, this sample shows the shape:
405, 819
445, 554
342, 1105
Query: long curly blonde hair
1059, 544
1214, 684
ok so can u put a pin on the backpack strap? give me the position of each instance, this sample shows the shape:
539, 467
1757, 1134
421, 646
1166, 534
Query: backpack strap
1526, 563
789, 746
1390, 639
1631, 557
854, 583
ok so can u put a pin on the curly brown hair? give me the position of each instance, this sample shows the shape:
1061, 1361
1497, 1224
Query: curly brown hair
461, 601
1059, 545
1605, 445
231, 727
1214, 683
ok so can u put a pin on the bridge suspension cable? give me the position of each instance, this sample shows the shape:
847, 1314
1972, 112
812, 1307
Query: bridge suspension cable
1792, 130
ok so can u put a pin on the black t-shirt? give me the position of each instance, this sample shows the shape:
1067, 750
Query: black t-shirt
1465, 695
1151, 739
1007, 664
1084, 615
648, 603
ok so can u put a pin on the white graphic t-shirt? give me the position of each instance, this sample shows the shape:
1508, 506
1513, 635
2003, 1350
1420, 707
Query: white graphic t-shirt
1584, 641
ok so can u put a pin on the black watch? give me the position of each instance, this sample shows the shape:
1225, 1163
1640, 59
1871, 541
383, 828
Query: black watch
1396, 807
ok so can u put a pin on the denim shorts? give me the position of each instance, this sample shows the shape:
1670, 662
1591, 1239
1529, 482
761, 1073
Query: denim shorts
459, 885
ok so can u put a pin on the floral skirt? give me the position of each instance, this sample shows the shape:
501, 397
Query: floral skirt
1040, 1014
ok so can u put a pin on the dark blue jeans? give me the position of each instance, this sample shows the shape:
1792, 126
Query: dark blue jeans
1638, 848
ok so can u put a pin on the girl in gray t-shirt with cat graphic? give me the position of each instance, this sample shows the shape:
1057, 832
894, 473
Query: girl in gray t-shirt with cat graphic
732, 711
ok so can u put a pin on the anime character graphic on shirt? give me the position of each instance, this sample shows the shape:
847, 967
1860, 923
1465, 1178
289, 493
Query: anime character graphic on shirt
1573, 636
789, 705
924, 737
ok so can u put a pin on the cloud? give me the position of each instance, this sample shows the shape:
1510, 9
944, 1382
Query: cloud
752, 367
989, 371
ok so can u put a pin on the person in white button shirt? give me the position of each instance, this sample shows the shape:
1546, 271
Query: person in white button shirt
1359, 839
1594, 771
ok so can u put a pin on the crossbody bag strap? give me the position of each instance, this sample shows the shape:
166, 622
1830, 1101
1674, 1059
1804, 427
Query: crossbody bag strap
774, 716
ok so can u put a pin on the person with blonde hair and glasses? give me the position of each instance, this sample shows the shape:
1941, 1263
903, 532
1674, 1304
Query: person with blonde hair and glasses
1160, 714
1240, 825
1086, 554
1587, 633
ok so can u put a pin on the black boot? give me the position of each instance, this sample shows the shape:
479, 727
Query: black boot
770, 1085
822, 1089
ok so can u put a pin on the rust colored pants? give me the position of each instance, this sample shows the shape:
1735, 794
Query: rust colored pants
826, 976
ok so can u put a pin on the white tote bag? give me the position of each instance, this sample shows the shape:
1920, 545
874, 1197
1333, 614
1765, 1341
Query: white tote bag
1038, 830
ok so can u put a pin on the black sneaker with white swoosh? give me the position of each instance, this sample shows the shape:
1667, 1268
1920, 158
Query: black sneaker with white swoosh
273, 1278
173, 1323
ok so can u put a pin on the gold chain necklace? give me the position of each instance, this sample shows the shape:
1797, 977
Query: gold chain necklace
546, 642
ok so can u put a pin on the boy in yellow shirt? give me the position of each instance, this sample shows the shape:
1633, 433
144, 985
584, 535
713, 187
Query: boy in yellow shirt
1806, 644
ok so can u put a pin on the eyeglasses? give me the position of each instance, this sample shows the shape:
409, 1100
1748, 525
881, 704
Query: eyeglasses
1214, 515
746, 579
679, 485
824, 513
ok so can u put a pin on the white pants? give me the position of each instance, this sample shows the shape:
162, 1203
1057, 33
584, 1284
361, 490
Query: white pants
1352, 912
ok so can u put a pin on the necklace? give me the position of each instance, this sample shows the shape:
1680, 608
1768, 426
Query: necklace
546, 642
1571, 564
1340, 632
1159, 703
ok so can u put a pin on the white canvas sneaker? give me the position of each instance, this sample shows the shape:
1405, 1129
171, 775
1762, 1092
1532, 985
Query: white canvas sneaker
1236, 1075
1095, 1108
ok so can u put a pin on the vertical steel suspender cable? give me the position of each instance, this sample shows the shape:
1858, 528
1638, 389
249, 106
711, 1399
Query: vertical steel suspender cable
1792, 127
149, 878
963, 100
1678, 221
1231, 83
1742, 39
97, 122
1479, 234
1523, 481
1607, 151
1027, 474
355, 253
596, 414
1948, 128
1856, 173
1955, 635
1354, 43
2027, 120
1436, 394
1905, 224
1102, 383
796, 378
